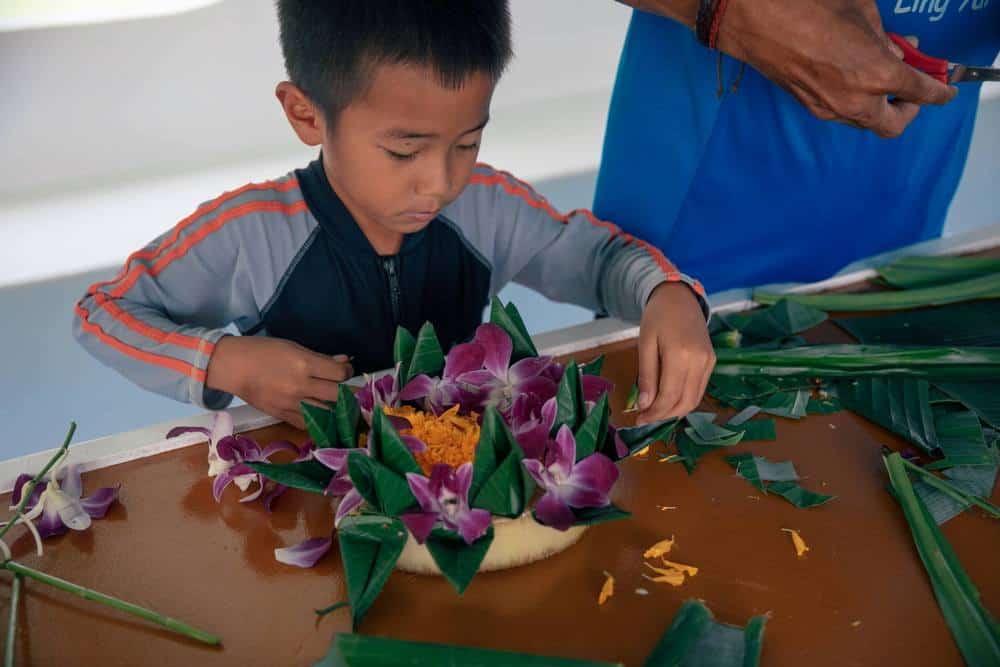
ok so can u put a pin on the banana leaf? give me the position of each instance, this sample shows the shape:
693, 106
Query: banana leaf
785, 318
349, 650
970, 363
777, 478
976, 481
457, 560
960, 436
370, 545
983, 398
981, 287
975, 631
911, 272
696, 639
964, 324
901, 405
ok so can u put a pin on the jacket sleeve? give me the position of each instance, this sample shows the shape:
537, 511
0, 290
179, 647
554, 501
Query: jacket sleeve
570, 257
157, 322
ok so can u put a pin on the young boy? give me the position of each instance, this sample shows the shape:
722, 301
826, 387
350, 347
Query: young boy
394, 224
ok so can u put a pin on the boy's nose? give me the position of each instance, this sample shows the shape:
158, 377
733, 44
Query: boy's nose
435, 180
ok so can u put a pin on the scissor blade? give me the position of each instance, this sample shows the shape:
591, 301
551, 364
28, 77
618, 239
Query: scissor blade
965, 73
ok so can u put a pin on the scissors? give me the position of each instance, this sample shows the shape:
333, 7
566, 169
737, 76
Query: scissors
942, 70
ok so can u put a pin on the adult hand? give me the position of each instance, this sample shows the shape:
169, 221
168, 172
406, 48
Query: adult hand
832, 55
275, 375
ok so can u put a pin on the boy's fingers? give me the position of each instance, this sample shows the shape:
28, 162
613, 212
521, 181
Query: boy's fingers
322, 390
649, 371
337, 369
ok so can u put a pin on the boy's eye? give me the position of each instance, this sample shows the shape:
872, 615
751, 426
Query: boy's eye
400, 156
468, 147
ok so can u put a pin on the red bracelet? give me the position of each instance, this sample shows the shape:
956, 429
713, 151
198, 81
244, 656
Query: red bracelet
713, 35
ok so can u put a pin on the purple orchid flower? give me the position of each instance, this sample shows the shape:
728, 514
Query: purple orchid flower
503, 381
382, 391
57, 502
444, 500
304, 554
569, 483
335, 458
531, 421
235, 451
439, 394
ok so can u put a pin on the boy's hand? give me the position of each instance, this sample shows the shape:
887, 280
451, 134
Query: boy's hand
275, 375
675, 354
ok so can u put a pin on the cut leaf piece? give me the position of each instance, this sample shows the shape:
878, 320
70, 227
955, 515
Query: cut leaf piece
457, 560
981, 287
962, 324
306, 475
901, 405
636, 438
427, 358
909, 272
983, 398
960, 436
704, 431
777, 478
321, 425
570, 409
593, 431
499, 482
594, 366
387, 446
975, 631
509, 319
785, 318
348, 650
402, 351
369, 548
347, 415
759, 429
790, 404
380, 486
695, 639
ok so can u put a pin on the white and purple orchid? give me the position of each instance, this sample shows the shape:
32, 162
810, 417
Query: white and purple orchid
335, 459
381, 391
57, 501
444, 501
439, 394
304, 554
502, 381
531, 421
569, 483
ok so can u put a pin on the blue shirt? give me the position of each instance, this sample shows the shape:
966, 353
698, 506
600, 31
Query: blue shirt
751, 189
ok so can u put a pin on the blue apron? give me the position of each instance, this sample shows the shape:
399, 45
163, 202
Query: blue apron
750, 188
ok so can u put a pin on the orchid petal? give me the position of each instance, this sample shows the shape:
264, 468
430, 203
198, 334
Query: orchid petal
563, 454
621, 449
528, 367
540, 386
339, 485
222, 426
478, 379
534, 441
462, 359
421, 488
554, 512
590, 482
418, 387
70, 511
537, 471
181, 430
304, 554
348, 504
278, 446
463, 482
549, 410
333, 458
497, 347
244, 480
97, 503
595, 386
413, 443
271, 495
305, 451
72, 485
220, 483
250, 497
399, 423
473, 524
19, 484
49, 523
420, 524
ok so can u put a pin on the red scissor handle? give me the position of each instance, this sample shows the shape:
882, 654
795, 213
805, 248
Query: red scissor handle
933, 67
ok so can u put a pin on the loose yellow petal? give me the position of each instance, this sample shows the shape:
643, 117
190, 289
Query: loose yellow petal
666, 508
691, 570
644, 451
660, 548
800, 544
607, 590
856, 624
672, 577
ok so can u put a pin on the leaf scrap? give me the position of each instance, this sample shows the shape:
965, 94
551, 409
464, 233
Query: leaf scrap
800, 545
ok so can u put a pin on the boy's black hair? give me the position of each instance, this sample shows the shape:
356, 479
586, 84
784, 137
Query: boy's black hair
332, 46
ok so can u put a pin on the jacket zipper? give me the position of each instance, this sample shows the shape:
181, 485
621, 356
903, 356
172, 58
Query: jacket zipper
390, 266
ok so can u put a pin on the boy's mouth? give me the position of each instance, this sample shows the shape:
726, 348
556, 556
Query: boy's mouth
421, 216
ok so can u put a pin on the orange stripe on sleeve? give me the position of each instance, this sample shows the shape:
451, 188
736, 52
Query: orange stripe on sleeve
203, 231
205, 208
176, 365
533, 199
149, 331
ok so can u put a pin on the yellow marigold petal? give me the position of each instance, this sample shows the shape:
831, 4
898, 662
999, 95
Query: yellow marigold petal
660, 548
607, 590
644, 451
800, 544
672, 577
691, 570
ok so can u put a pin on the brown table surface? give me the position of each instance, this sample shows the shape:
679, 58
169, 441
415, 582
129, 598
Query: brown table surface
860, 596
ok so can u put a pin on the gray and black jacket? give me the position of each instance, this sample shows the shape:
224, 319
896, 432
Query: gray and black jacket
285, 259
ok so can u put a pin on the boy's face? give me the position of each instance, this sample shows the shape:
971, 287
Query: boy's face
404, 150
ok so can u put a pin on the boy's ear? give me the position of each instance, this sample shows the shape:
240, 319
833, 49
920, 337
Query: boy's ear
305, 117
